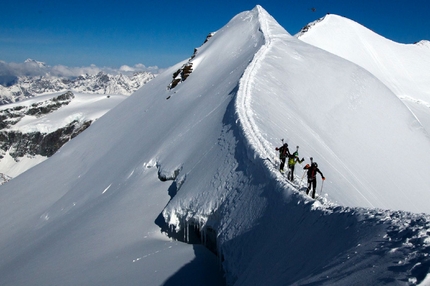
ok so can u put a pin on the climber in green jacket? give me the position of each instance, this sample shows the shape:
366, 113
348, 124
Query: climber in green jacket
292, 160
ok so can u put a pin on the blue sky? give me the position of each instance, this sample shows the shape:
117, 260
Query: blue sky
161, 33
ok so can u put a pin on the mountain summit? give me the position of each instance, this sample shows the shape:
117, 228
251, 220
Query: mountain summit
197, 160
403, 68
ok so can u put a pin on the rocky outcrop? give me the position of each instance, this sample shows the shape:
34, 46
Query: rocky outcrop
11, 116
181, 74
185, 71
309, 26
4, 178
20, 144
36, 143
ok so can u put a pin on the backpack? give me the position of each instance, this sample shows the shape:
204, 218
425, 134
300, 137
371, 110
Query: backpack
283, 151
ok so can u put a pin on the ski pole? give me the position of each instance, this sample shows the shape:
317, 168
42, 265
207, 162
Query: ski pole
322, 184
301, 180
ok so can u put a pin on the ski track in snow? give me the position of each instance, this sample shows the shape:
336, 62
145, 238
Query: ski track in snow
417, 101
258, 143
246, 116
401, 227
244, 98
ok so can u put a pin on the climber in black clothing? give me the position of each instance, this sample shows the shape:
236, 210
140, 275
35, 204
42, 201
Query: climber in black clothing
283, 154
312, 177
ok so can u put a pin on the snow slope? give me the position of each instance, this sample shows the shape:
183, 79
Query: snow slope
404, 68
202, 155
338, 120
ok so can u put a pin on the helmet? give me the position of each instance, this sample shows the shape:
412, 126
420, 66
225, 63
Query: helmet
285, 144
296, 154
315, 164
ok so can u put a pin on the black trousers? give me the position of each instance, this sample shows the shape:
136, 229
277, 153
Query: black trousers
282, 164
312, 183
291, 172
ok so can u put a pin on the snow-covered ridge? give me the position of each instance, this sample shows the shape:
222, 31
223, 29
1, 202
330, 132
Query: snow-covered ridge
354, 98
243, 102
395, 221
181, 214
404, 68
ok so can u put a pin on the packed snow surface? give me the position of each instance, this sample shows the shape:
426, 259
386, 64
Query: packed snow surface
202, 154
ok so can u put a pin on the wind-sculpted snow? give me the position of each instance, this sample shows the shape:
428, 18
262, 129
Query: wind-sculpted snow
404, 68
197, 163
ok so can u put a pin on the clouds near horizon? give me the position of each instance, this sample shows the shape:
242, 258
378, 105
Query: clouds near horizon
10, 71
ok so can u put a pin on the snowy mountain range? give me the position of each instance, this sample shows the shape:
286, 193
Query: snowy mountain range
190, 157
34, 129
35, 123
17, 88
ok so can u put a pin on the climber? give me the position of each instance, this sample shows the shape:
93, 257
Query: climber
283, 154
292, 160
312, 179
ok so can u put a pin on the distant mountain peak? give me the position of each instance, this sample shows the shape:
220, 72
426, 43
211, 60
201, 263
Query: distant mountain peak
401, 67
38, 63
23, 87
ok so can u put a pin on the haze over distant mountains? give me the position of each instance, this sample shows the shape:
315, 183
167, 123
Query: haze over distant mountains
32, 78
